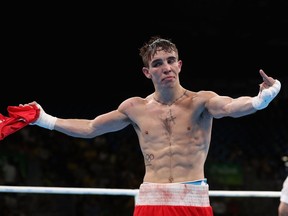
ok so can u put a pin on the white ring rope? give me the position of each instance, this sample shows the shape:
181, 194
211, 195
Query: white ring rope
126, 192
265, 194
68, 190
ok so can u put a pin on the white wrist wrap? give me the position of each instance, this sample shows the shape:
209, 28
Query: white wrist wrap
265, 96
44, 120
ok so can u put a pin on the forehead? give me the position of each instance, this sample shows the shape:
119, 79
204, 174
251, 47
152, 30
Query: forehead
162, 54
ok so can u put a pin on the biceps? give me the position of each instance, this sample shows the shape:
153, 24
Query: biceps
219, 106
227, 106
109, 122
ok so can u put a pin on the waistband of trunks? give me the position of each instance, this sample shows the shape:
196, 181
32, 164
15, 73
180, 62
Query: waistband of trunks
196, 182
173, 194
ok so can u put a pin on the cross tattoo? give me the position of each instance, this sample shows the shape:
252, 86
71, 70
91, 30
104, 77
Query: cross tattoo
170, 117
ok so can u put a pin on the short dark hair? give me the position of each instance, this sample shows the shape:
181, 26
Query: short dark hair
156, 43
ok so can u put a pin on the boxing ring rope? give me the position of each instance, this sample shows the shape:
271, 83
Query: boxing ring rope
125, 192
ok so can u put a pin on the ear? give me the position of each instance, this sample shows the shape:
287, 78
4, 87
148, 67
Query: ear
145, 70
180, 64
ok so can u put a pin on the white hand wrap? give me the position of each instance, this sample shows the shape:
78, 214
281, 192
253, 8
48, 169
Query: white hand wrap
44, 120
265, 96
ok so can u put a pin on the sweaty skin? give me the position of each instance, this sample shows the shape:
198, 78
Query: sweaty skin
173, 124
174, 139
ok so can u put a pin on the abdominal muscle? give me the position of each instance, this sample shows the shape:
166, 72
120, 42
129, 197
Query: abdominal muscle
174, 141
175, 163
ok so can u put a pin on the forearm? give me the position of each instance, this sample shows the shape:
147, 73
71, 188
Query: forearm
247, 105
241, 106
72, 127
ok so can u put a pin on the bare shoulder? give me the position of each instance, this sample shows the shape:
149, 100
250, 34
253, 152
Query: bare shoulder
133, 102
202, 95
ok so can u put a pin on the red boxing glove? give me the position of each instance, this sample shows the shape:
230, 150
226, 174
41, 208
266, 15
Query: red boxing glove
19, 117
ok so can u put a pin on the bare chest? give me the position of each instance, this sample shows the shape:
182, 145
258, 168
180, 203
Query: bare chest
168, 121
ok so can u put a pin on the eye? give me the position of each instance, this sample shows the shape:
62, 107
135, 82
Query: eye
156, 63
171, 60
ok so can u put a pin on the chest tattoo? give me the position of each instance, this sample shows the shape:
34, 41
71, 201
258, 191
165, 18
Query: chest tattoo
169, 120
170, 117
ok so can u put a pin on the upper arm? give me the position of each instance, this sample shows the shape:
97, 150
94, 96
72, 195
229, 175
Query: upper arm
109, 122
217, 105
116, 119
221, 106
84, 128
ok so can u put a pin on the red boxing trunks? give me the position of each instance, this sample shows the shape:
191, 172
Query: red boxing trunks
19, 117
173, 199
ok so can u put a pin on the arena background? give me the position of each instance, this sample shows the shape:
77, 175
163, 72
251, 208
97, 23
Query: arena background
81, 60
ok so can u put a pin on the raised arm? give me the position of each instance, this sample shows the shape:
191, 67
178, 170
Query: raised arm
83, 128
221, 106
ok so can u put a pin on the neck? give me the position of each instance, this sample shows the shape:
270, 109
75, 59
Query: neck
172, 100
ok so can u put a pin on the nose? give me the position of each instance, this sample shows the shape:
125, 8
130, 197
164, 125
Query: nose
166, 68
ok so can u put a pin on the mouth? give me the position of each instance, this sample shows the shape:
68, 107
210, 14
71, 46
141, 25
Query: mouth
168, 78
